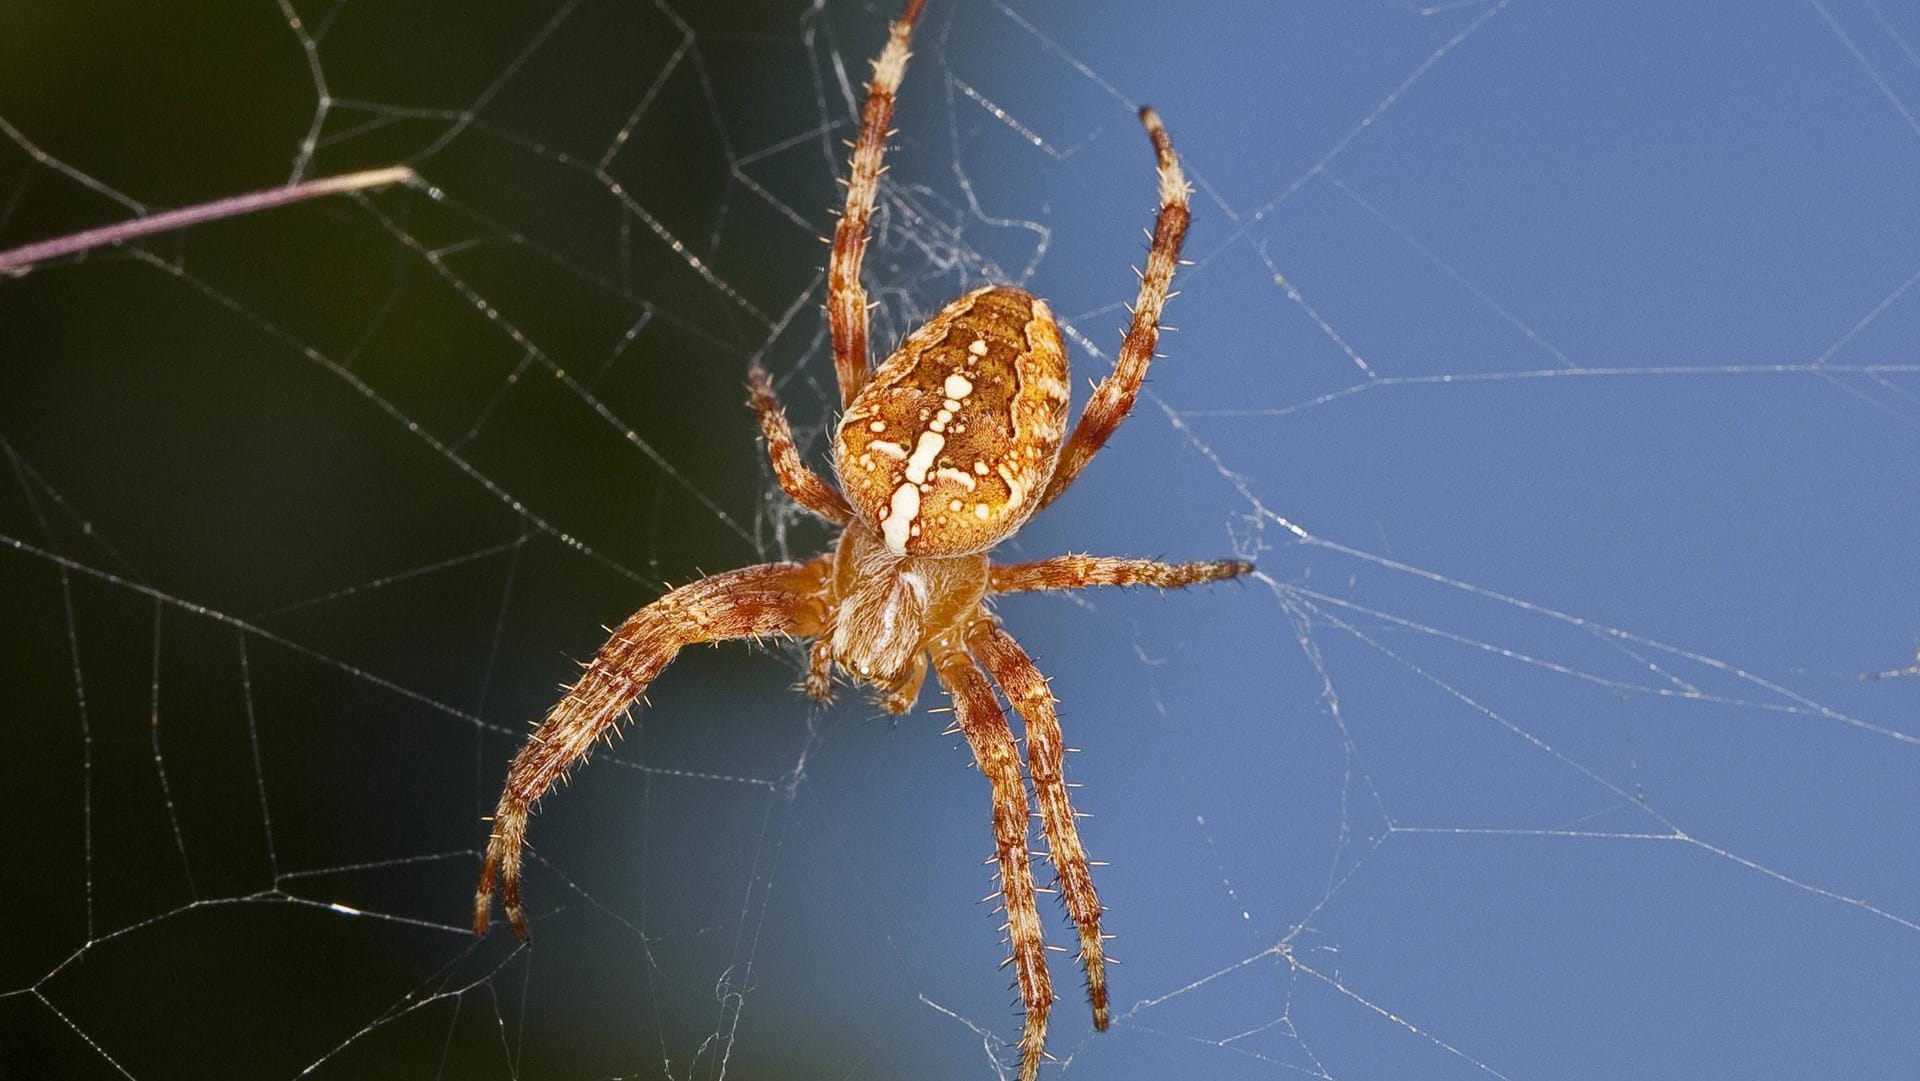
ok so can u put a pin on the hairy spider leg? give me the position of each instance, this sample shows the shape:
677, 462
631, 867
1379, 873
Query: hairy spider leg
846, 297
1027, 692
770, 599
1081, 571
1113, 399
796, 478
980, 720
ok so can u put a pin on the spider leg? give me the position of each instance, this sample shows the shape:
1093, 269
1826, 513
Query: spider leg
774, 598
846, 297
800, 482
1027, 690
1080, 571
1113, 399
985, 727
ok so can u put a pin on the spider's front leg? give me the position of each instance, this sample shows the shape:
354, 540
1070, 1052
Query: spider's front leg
986, 731
1113, 400
846, 297
774, 598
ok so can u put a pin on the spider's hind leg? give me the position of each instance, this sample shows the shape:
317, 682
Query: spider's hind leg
1028, 692
985, 727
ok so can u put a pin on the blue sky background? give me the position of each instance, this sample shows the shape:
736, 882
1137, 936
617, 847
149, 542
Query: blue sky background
1555, 361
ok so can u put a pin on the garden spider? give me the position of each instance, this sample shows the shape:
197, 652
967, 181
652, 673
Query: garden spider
942, 453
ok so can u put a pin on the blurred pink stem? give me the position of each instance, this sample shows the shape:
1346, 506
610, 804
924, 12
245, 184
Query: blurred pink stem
26, 256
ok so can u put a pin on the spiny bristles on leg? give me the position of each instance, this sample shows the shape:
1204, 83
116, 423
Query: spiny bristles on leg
985, 726
775, 598
1033, 1045
1074, 571
1093, 961
796, 478
846, 297
1115, 396
1174, 188
1027, 691
891, 65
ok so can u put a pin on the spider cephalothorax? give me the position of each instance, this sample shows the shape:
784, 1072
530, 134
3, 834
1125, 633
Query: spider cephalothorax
943, 452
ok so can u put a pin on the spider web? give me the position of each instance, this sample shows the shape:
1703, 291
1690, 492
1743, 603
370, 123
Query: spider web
1554, 361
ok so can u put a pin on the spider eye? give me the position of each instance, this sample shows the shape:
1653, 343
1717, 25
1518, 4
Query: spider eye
949, 448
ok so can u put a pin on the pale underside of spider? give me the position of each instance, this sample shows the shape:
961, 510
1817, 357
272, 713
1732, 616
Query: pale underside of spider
942, 453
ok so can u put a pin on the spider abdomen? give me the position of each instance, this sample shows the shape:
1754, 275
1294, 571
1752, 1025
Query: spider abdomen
949, 447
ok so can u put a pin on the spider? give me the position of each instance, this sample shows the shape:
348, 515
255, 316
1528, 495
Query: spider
942, 453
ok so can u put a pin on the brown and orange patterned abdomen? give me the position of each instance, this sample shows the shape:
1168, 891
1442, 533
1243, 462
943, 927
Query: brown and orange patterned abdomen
948, 449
